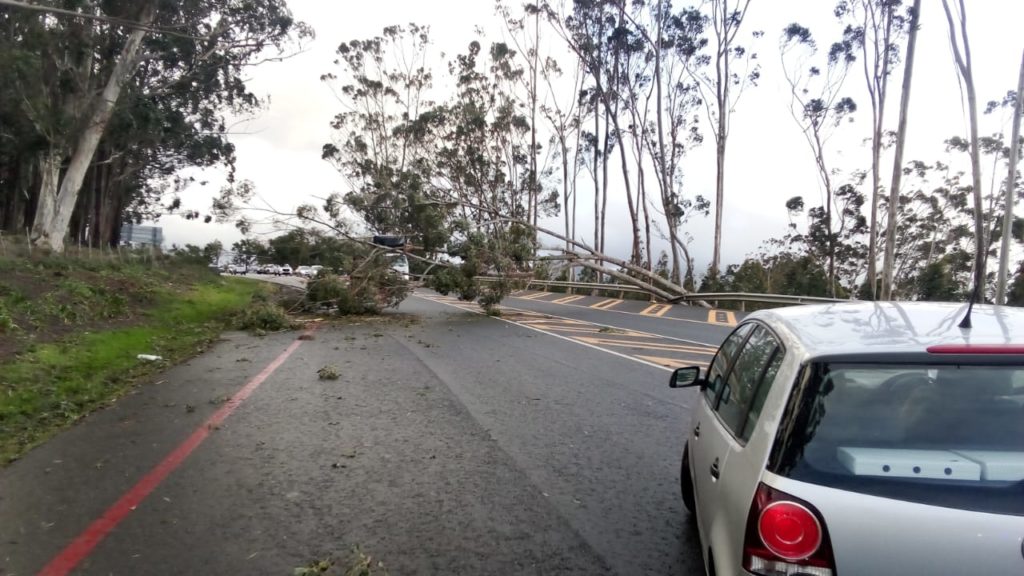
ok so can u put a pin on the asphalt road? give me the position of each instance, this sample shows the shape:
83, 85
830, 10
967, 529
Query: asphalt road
452, 443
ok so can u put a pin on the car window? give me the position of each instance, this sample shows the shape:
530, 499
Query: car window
720, 365
945, 435
762, 392
742, 382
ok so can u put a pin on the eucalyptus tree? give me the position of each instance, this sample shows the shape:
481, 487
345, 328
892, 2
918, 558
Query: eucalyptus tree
599, 34
382, 84
1013, 159
913, 25
78, 69
722, 77
673, 43
873, 29
818, 108
960, 43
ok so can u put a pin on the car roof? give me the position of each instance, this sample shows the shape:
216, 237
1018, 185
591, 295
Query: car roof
892, 327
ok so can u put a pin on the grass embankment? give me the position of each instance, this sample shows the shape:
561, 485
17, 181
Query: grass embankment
70, 333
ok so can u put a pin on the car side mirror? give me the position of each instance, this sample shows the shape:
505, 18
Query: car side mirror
685, 377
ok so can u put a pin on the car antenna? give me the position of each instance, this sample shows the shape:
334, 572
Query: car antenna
966, 322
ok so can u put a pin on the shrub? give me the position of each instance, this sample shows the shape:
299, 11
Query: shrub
265, 316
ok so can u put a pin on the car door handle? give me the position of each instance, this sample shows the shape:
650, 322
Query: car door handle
715, 472
696, 431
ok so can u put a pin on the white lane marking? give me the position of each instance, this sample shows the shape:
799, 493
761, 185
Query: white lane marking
652, 334
566, 338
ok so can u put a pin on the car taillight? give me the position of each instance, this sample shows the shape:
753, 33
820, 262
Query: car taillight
786, 536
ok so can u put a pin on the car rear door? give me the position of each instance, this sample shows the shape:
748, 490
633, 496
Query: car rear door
708, 439
738, 410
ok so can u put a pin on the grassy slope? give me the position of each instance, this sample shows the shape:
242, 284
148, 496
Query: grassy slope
50, 385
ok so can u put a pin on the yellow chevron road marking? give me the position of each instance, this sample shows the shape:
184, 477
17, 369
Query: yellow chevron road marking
658, 310
567, 299
607, 304
721, 317
647, 345
671, 362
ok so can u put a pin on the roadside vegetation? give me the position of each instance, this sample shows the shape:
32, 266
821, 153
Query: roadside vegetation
371, 287
71, 331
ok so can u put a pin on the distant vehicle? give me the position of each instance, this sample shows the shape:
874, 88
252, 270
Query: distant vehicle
236, 269
860, 439
316, 269
285, 270
272, 270
305, 271
400, 264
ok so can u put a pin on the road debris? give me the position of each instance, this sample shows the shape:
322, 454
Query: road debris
328, 372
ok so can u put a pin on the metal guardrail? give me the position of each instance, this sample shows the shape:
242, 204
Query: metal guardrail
713, 297
587, 286
744, 297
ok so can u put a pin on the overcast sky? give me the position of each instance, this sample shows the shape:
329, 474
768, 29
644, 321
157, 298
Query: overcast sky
768, 159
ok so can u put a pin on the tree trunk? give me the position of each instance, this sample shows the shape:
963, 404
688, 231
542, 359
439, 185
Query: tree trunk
716, 259
52, 230
605, 153
1011, 185
46, 207
966, 71
877, 79
534, 191
565, 182
722, 101
597, 180
897, 166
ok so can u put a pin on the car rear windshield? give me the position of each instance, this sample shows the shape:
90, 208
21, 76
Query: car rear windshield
950, 435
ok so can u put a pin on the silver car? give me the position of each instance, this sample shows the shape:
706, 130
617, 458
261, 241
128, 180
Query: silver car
861, 439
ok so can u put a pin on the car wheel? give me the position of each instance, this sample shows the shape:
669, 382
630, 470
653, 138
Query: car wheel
686, 483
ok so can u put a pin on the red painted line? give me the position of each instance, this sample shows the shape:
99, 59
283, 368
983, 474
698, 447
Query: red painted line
82, 546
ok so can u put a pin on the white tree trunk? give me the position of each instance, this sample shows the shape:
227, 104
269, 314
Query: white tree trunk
51, 226
889, 262
964, 67
49, 178
1011, 185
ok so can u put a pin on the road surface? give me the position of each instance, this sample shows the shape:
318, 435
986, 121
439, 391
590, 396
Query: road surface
543, 442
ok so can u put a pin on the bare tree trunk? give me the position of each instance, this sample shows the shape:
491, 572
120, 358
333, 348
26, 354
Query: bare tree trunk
565, 183
897, 166
534, 191
597, 180
49, 182
605, 153
1011, 185
634, 216
728, 22
722, 101
666, 181
51, 231
877, 79
966, 71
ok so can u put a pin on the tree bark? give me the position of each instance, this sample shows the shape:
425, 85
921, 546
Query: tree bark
49, 181
52, 230
966, 71
1011, 185
722, 101
877, 79
897, 166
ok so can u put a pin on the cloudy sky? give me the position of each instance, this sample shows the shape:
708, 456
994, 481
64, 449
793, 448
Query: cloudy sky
769, 161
